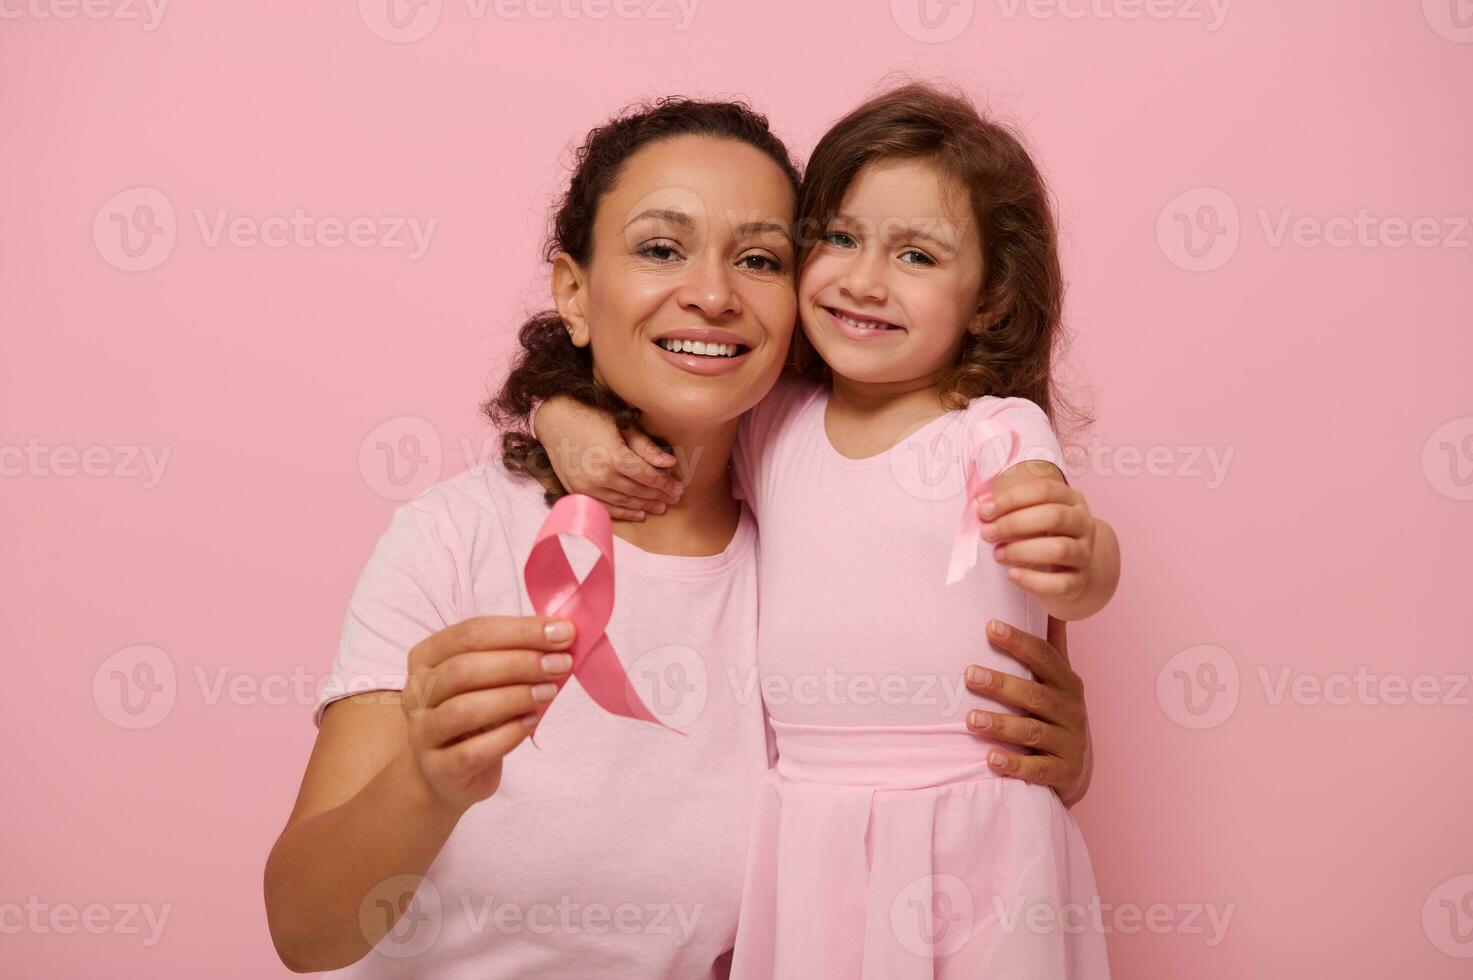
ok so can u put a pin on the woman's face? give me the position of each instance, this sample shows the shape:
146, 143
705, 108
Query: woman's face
691, 246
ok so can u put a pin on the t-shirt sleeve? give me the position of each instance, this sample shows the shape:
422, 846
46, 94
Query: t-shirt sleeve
993, 418
758, 431
407, 591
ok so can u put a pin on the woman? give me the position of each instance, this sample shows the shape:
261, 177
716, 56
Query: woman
613, 848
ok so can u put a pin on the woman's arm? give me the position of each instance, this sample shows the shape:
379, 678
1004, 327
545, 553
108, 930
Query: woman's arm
391, 774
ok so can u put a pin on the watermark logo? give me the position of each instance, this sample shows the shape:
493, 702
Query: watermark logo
1451, 19
39, 461
1198, 688
1198, 230
400, 21
1211, 13
933, 916
135, 229
1447, 459
42, 918
1447, 917
401, 916
148, 13
401, 458
932, 21
1100, 917
135, 687
672, 682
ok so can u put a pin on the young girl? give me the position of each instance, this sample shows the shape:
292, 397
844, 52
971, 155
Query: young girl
917, 422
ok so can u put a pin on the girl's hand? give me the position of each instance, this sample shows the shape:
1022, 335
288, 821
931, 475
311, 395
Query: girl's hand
1055, 725
591, 456
1056, 549
475, 690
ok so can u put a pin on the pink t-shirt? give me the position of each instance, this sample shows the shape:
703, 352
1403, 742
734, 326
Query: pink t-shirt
858, 626
617, 849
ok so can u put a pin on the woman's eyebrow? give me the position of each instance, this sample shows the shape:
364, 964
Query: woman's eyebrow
663, 214
761, 227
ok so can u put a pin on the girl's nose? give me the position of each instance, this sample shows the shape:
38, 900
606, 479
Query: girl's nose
865, 278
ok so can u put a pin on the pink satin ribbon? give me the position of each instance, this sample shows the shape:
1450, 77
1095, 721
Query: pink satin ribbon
556, 591
987, 452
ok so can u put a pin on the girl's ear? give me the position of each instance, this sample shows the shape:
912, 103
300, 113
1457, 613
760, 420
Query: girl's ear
569, 295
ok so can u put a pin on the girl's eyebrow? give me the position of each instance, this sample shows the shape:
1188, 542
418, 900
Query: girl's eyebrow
910, 230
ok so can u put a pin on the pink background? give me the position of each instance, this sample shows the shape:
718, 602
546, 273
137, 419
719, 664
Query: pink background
1333, 830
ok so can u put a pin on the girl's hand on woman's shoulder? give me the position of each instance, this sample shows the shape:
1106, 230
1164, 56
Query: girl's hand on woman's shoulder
625, 471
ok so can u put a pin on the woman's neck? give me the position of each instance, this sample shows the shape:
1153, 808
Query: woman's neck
706, 517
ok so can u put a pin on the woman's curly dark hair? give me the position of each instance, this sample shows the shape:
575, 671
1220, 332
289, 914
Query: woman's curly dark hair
548, 363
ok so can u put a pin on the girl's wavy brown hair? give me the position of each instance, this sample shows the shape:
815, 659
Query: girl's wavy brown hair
548, 363
1023, 287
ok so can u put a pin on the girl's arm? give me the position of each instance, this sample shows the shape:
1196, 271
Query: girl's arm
624, 471
1060, 552
389, 778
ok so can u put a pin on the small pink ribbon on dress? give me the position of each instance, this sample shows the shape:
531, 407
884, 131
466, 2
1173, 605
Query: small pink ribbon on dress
987, 452
556, 591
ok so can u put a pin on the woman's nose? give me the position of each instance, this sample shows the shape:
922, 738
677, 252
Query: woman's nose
710, 289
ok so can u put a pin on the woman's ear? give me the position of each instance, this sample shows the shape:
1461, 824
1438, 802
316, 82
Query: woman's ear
569, 294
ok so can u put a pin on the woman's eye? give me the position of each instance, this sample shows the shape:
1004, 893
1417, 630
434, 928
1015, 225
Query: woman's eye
921, 258
659, 251
764, 262
839, 239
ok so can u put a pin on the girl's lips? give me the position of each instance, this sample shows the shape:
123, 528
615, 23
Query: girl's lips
855, 333
700, 364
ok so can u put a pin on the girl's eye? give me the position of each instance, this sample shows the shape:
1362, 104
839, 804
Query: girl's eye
839, 239
765, 263
921, 258
659, 251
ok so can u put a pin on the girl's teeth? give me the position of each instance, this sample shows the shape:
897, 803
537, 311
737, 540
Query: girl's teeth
862, 324
698, 347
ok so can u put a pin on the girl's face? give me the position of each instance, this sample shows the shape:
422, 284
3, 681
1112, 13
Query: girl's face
890, 291
692, 247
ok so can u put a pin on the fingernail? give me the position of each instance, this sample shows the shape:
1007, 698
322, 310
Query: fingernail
972, 675
999, 551
558, 631
981, 676
997, 759
989, 531
987, 508
980, 719
678, 489
556, 663
543, 691
657, 507
1016, 574
998, 628
531, 720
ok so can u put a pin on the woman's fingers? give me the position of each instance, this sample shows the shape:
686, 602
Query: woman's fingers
1032, 697
479, 752
475, 711
1021, 730
478, 669
1045, 770
1046, 659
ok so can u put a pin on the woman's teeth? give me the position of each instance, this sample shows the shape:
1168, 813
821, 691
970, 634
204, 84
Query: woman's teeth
700, 348
862, 324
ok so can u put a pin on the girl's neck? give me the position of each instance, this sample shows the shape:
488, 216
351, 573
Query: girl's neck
888, 402
707, 516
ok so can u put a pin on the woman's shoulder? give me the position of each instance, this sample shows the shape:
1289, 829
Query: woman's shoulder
485, 494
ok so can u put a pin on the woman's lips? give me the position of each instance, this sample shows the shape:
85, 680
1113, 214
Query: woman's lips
847, 329
703, 364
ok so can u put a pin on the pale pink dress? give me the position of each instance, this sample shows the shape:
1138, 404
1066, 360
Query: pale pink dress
882, 846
